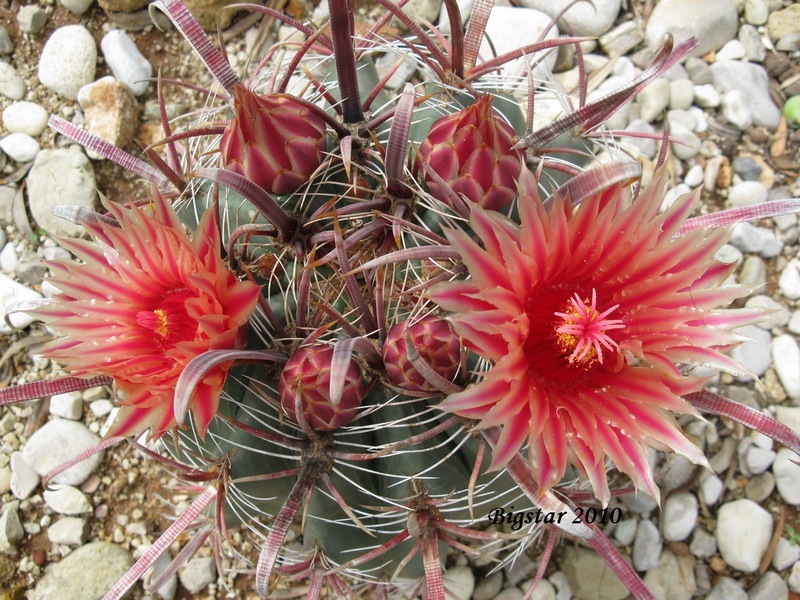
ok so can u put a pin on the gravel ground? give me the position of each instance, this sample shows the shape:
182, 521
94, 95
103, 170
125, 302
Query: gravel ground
730, 533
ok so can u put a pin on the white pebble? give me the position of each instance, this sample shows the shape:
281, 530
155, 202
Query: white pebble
747, 192
67, 500
743, 533
736, 110
11, 84
68, 60
732, 50
23, 478
789, 281
67, 406
625, 532
711, 489
70, 531
706, 96
694, 177
77, 7
10, 292
758, 459
196, 574
25, 117
786, 554
787, 476
786, 358
20, 147
9, 259
126, 62
679, 516
460, 581
681, 94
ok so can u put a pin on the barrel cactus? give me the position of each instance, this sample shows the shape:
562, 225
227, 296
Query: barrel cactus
403, 331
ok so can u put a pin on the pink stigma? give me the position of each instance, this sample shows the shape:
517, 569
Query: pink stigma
584, 330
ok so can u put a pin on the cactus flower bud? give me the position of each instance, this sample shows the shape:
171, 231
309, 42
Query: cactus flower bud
472, 151
275, 140
437, 344
308, 373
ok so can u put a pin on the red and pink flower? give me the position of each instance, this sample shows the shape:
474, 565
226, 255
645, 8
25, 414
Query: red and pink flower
588, 315
145, 301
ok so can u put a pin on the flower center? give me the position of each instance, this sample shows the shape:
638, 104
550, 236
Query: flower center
581, 331
169, 319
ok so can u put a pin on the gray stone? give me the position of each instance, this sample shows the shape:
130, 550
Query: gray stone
753, 82
699, 71
23, 478
703, 544
6, 45
166, 591
58, 441
625, 532
786, 359
653, 99
756, 11
85, 574
711, 488
782, 23
758, 459
754, 353
727, 589
749, 238
70, 531
787, 476
712, 23
11, 84
769, 587
743, 533
622, 38
488, 587
647, 146
31, 19
11, 530
67, 406
794, 578
68, 60
647, 546
681, 94
198, 573
458, 580
750, 39
673, 578
77, 7
62, 176
760, 487
789, 281
590, 577
679, 517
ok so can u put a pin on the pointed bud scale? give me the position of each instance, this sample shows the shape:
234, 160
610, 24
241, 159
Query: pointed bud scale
436, 343
471, 150
308, 373
275, 140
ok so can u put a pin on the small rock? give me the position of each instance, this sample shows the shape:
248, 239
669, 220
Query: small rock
11, 292
100, 408
647, 546
653, 99
756, 11
775, 313
786, 359
769, 587
786, 554
31, 19
794, 578
198, 573
703, 544
625, 532
77, 7
585, 19
787, 476
750, 39
752, 81
67, 406
789, 416
60, 176
754, 353
784, 22
5, 480
510, 594
789, 281
747, 192
711, 489
749, 238
673, 578
110, 111
736, 109
758, 460
488, 587
712, 23
58, 441
699, 71
561, 583
67, 500
11, 530
166, 591
685, 143
6, 45
760, 487
743, 533
70, 531
11, 84
647, 146
622, 38
23, 478
85, 574
519, 570
458, 580
732, 50
68, 60
727, 589
679, 516
25, 117
126, 61
590, 577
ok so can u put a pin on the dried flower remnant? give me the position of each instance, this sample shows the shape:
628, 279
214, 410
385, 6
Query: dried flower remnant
145, 301
586, 314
